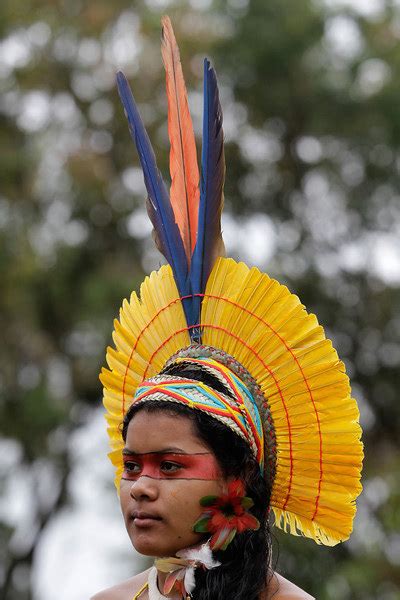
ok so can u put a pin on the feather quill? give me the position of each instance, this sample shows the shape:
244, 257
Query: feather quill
184, 192
167, 234
209, 244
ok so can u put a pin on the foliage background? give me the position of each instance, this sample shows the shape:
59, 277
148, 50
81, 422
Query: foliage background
312, 125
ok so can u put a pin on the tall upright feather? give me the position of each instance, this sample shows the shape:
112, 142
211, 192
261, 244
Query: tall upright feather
167, 234
209, 238
184, 192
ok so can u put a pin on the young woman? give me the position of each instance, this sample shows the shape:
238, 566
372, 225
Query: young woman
160, 511
225, 401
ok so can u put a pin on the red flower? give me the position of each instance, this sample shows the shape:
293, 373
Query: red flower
226, 515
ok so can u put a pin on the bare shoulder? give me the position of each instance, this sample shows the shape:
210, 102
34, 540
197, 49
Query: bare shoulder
124, 590
283, 589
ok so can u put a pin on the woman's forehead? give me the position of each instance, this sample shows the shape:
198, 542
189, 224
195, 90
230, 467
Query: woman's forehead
160, 431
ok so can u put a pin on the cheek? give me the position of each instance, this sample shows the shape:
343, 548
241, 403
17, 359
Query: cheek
174, 495
184, 501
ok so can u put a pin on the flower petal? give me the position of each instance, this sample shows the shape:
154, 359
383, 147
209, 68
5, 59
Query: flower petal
236, 488
218, 521
170, 582
247, 521
219, 539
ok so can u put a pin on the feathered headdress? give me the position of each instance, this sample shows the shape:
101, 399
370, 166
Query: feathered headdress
293, 399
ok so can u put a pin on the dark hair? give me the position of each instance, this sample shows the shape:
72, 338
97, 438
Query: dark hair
245, 565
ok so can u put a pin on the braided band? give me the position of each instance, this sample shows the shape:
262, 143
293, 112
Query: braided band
198, 351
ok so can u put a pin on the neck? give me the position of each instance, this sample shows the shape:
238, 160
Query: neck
179, 571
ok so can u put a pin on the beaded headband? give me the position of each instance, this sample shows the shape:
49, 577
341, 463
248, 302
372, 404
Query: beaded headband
236, 408
260, 403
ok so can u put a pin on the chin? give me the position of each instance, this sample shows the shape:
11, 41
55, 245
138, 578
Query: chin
149, 545
159, 548
156, 550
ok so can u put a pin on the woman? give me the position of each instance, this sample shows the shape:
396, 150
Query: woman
224, 399
159, 513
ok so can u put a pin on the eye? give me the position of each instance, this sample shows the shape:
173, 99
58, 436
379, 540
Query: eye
131, 467
170, 467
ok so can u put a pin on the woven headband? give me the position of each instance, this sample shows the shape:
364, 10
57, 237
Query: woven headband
259, 403
237, 409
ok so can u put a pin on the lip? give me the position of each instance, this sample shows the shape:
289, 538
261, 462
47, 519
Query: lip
144, 519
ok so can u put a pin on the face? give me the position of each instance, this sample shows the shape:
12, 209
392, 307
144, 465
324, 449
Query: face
167, 469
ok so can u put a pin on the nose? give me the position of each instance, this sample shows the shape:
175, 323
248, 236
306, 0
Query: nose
144, 488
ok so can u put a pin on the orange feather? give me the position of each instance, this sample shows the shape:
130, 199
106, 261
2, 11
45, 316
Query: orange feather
185, 193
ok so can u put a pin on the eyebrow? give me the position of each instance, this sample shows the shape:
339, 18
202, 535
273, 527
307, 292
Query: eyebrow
171, 450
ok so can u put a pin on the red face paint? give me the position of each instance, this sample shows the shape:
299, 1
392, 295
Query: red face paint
170, 465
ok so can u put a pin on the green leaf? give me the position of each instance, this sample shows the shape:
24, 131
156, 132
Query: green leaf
247, 502
208, 500
201, 526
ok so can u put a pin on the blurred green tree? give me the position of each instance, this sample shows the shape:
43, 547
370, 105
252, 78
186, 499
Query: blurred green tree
312, 123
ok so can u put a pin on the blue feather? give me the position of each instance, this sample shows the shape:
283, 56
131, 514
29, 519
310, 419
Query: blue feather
209, 243
168, 238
